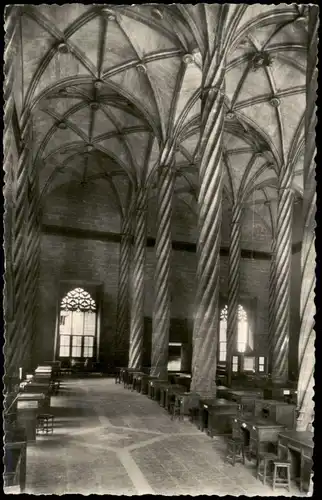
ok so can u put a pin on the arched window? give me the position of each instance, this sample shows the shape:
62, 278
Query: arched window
223, 335
242, 336
77, 325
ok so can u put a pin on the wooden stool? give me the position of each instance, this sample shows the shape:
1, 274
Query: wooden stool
129, 380
264, 458
281, 481
118, 378
193, 414
235, 450
176, 410
311, 485
136, 383
54, 387
45, 423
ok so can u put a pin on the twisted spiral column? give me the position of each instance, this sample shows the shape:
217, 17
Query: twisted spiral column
137, 285
233, 285
305, 389
163, 251
8, 164
271, 296
271, 308
19, 251
206, 319
282, 273
123, 313
32, 256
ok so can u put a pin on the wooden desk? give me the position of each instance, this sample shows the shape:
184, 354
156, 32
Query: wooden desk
38, 388
15, 466
259, 434
220, 417
38, 397
245, 399
171, 392
215, 415
222, 391
154, 388
187, 400
137, 381
285, 394
278, 411
163, 393
301, 443
145, 383
182, 379
27, 417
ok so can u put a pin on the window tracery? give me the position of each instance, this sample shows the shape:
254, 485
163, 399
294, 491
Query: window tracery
78, 300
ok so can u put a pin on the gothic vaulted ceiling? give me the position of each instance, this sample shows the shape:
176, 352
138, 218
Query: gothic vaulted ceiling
105, 86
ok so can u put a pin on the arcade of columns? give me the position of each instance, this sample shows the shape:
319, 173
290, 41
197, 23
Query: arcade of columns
206, 319
23, 241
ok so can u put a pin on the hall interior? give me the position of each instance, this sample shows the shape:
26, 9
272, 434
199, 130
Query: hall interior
159, 229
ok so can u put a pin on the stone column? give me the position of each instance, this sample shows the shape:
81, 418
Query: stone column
272, 285
305, 389
186, 356
206, 318
233, 286
163, 252
137, 282
8, 192
123, 312
282, 273
16, 161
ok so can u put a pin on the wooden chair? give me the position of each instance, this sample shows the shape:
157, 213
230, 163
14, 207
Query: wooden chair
278, 481
118, 377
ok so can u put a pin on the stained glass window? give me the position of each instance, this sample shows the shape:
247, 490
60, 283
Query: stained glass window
78, 300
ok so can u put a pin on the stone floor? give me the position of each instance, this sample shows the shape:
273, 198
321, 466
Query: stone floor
109, 440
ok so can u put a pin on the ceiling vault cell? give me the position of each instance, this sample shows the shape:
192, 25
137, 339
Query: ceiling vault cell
126, 81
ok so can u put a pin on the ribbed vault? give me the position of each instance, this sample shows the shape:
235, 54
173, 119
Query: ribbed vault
106, 87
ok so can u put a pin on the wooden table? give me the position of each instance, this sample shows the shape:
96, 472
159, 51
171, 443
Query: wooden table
216, 416
27, 418
301, 443
187, 401
245, 398
258, 433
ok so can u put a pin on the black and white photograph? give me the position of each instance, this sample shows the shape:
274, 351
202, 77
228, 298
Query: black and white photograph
159, 217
